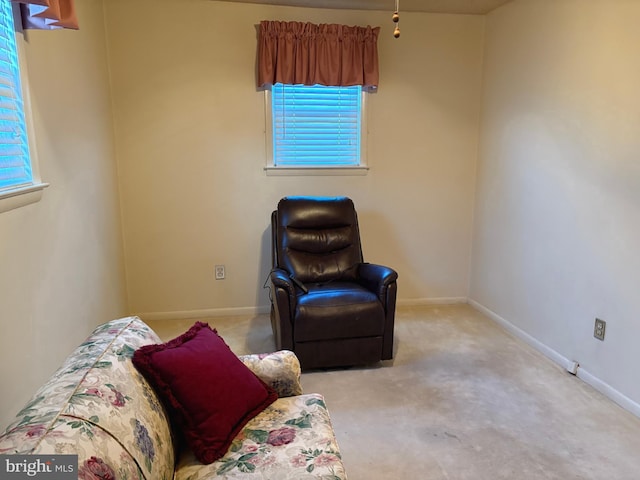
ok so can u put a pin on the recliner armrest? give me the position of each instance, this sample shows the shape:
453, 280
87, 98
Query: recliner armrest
376, 278
280, 279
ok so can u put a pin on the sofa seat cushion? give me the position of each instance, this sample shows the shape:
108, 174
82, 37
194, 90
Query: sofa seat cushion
292, 439
338, 310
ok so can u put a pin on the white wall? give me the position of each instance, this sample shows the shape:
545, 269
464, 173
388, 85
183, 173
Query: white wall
62, 263
191, 150
558, 194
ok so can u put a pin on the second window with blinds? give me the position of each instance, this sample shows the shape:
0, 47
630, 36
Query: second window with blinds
20, 183
315, 129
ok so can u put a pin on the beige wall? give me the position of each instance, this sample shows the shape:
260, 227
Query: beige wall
556, 226
191, 151
62, 264
556, 222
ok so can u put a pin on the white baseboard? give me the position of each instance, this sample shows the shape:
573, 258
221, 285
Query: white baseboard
561, 360
610, 392
416, 302
205, 313
604, 388
236, 311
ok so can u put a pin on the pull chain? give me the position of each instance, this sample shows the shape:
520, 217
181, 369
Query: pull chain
396, 19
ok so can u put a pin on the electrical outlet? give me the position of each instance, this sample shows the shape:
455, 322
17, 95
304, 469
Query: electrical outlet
219, 270
599, 329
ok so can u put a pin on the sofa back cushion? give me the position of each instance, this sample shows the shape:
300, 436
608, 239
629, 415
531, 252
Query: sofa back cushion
98, 406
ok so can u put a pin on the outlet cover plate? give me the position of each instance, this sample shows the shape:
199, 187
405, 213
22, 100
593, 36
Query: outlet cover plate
219, 272
599, 329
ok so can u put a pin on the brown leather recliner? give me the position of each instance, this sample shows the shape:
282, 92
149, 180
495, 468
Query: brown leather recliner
327, 305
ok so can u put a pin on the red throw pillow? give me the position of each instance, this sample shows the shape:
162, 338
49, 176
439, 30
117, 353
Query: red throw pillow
209, 392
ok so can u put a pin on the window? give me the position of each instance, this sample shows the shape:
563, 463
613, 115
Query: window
18, 177
315, 128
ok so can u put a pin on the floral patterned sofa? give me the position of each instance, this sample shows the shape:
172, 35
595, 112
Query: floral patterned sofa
99, 406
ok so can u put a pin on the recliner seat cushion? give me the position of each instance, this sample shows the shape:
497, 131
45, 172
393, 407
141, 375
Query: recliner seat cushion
338, 310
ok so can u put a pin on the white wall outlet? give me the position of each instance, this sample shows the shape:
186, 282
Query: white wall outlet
219, 271
599, 329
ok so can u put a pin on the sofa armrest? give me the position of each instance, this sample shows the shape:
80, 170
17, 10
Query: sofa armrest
280, 370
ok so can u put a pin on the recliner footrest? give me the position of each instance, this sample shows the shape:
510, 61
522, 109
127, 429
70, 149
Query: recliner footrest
339, 352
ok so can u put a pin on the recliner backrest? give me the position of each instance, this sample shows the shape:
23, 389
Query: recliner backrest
316, 239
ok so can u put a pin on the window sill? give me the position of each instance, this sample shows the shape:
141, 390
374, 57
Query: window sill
19, 197
316, 171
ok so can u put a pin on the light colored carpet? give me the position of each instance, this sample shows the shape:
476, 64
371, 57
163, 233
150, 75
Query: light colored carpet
462, 399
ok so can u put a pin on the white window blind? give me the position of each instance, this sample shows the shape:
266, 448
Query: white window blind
316, 126
15, 164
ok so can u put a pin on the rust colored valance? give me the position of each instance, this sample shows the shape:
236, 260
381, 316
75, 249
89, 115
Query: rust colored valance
327, 54
48, 14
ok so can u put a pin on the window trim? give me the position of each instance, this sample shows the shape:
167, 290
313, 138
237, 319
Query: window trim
22, 195
273, 170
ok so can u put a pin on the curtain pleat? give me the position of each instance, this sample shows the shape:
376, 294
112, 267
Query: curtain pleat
308, 54
48, 14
